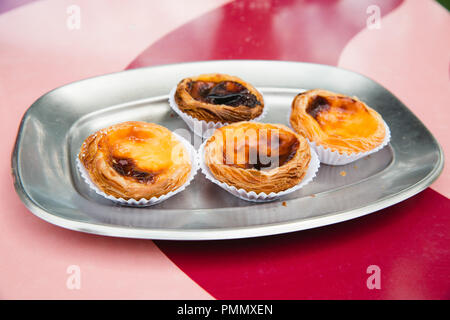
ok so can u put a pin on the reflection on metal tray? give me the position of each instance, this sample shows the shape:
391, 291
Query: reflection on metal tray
54, 127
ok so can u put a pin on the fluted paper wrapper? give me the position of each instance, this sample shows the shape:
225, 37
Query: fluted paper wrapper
154, 200
202, 128
311, 172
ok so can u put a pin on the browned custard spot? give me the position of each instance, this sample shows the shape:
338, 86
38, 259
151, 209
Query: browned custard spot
229, 93
317, 105
271, 149
342, 116
127, 167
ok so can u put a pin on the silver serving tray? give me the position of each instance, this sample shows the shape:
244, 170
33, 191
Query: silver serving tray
53, 128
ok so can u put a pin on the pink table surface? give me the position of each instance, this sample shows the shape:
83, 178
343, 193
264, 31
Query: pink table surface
408, 54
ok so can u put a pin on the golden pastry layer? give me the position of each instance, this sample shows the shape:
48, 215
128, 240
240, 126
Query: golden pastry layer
135, 160
257, 157
218, 98
337, 122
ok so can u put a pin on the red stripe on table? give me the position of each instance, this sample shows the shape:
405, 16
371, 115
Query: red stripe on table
312, 31
409, 242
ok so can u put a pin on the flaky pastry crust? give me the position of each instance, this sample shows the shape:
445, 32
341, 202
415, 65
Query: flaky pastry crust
257, 157
218, 98
336, 121
135, 160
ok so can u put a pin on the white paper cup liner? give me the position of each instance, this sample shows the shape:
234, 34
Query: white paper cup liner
154, 200
311, 172
202, 128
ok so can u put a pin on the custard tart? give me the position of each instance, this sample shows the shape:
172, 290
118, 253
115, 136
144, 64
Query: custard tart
257, 157
338, 123
218, 98
136, 160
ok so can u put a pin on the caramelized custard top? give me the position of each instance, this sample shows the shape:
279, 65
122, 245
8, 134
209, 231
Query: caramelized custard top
255, 147
139, 152
229, 93
342, 116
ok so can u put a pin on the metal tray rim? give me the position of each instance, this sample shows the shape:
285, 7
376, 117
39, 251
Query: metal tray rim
223, 233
